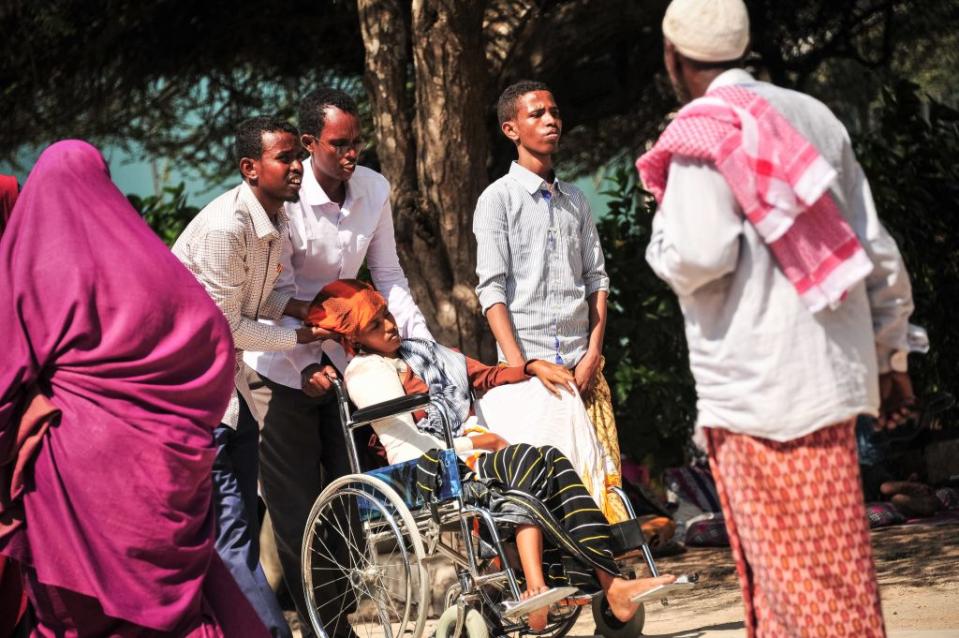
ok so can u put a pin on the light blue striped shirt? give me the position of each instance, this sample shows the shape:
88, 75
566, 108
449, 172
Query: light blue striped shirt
538, 253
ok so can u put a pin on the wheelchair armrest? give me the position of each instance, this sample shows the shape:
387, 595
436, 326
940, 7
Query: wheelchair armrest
398, 405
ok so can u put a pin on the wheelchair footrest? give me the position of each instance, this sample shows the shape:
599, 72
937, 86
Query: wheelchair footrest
514, 609
626, 536
683, 583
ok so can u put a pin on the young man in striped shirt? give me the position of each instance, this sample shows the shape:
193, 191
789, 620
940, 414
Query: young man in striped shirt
542, 278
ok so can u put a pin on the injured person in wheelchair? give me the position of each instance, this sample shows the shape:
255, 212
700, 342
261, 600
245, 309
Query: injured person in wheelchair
386, 367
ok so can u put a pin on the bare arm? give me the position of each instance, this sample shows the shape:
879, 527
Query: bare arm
501, 325
586, 367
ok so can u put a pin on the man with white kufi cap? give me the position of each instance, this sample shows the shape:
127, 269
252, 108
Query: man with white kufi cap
796, 304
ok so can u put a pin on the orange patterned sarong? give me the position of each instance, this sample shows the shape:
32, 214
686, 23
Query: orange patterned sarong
798, 532
599, 407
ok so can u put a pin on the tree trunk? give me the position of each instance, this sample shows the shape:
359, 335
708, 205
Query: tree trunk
433, 147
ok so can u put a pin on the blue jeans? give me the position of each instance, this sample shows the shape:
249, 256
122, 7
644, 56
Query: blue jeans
237, 522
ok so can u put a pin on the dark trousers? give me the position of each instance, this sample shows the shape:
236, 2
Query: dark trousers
301, 451
237, 522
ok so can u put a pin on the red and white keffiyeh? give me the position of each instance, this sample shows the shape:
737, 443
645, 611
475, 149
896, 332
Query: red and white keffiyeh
779, 179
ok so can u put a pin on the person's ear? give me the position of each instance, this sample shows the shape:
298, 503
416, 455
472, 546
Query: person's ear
509, 130
249, 169
669, 57
349, 346
309, 142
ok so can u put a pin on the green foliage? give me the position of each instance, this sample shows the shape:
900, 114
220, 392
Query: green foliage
646, 357
167, 213
910, 158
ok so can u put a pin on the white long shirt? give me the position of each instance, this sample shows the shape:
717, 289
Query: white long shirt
329, 242
763, 364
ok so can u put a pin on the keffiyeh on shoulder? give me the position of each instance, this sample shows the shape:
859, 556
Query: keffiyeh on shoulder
444, 371
779, 179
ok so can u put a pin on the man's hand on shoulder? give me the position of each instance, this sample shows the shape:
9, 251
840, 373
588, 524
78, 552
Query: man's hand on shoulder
309, 334
552, 375
297, 308
316, 379
897, 401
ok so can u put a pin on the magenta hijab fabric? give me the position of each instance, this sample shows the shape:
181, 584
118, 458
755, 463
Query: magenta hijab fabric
8, 197
97, 314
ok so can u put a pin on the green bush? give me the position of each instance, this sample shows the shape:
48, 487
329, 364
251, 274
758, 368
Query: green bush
167, 213
911, 156
646, 357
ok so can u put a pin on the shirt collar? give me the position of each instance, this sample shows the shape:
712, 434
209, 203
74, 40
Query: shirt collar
312, 194
730, 77
263, 226
530, 180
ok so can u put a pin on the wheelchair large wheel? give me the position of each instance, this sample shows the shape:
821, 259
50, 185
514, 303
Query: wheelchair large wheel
363, 563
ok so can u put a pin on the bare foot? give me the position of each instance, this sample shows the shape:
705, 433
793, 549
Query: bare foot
621, 591
537, 618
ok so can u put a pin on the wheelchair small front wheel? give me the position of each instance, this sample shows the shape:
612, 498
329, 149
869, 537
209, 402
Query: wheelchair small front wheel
473, 626
609, 626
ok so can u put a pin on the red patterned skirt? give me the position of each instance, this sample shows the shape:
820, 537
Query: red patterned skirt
798, 531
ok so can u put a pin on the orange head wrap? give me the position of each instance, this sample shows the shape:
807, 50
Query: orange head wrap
345, 306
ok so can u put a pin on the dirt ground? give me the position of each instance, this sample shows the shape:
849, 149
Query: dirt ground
918, 568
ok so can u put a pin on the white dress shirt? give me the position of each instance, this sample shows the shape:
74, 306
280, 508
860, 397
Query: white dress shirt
330, 242
538, 252
234, 250
763, 364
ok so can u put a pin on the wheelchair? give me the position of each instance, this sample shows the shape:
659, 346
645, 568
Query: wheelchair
370, 535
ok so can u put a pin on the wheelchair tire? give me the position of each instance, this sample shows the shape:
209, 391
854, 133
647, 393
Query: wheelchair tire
473, 626
361, 534
608, 626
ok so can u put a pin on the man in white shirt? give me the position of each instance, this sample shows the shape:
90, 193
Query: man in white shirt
778, 385
233, 248
343, 216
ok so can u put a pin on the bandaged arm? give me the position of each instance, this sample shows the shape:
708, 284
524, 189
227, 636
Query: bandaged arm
372, 379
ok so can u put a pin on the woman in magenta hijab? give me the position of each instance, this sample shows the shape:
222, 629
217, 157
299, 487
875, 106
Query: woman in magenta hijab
8, 196
115, 367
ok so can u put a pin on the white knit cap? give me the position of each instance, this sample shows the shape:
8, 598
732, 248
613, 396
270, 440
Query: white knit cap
708, 30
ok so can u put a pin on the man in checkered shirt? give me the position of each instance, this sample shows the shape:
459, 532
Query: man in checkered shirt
233, 248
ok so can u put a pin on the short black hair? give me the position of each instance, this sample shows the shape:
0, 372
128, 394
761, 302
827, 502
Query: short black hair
249, 134
506, 104
312, 112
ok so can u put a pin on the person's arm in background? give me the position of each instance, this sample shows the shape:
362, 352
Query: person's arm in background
390, 280
553, 377
888, 288
501, 325
697, 230
596, 284
492, 265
